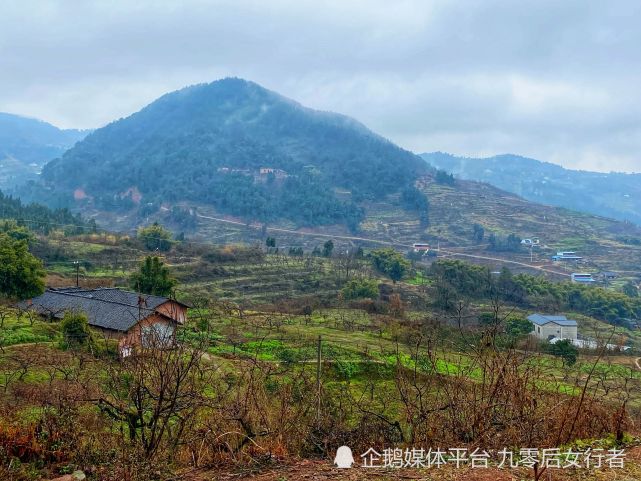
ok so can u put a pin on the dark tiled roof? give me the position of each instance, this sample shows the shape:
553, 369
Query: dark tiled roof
113, 294
105, 307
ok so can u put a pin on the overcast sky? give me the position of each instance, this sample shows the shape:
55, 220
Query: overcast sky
558, 81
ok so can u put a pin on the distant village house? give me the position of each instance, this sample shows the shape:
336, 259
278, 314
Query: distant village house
582, 278
549, 327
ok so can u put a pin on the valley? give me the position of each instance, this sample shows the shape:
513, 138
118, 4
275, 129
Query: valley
305, 312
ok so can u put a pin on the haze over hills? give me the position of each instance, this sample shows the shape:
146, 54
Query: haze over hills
234, 149
27, 144
614, 195
208, 143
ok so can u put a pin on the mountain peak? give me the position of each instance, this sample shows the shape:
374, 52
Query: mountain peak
181, 147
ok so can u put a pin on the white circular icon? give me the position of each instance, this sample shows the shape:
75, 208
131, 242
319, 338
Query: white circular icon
344, 458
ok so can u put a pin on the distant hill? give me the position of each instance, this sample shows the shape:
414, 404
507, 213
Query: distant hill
42, 219
237, 146
614, 195
27, 144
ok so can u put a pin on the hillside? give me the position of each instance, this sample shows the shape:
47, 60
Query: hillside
233, 161
453, 213
27, 144
611, 195
40, 218
280, 342
241, 148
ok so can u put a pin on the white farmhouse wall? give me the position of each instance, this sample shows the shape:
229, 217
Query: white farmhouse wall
552, 329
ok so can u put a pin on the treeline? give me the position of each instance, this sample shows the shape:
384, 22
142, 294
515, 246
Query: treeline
456, 279
499, 243
445, 178
305, 200
614, 307
413, 200
41, 219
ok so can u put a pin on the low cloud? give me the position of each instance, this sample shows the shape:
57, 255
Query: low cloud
556, 81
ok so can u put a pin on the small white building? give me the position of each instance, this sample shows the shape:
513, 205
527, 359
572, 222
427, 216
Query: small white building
549, 327
421, 247
582, 278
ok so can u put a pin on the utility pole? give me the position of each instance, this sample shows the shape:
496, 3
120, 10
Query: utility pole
77, 263
318, 375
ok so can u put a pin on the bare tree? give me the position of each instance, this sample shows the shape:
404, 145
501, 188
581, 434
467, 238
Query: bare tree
5, 313
158, 391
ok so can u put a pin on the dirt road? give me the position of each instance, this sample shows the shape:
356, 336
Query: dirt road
382, 242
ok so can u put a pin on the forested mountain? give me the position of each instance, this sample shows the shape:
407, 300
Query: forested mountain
27, 144
41, 219
244, 149
614, 195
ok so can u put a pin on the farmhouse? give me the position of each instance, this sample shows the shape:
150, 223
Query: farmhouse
421, 247
566, 256
277, 173
131, 318
583, 278
549, 327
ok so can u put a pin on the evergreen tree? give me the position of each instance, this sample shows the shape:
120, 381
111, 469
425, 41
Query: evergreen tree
630, 289
21, 274
442, 177
478, 233
155, 237
390, 262
328, 248
153, 278
565, 350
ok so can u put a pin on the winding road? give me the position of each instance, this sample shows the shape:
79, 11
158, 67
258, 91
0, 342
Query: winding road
381, 242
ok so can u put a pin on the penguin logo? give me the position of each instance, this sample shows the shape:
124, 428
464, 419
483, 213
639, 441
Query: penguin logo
344, 458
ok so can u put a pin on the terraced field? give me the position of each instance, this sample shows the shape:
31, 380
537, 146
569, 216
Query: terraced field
453, 212
276, 278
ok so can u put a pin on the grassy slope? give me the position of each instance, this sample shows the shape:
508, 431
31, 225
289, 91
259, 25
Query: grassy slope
453, 212
357, 347
274, 279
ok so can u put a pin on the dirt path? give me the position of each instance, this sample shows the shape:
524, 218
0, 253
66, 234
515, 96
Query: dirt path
303, 233
381, 242
636, 363
306, 470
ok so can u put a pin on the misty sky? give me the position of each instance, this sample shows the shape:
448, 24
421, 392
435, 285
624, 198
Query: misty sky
559, 81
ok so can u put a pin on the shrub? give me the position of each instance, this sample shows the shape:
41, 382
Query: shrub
360, 289
390, 262
155, 237
565, 350
346, 369
75, 329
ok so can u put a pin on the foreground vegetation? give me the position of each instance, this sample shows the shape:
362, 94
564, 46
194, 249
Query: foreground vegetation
293, 354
